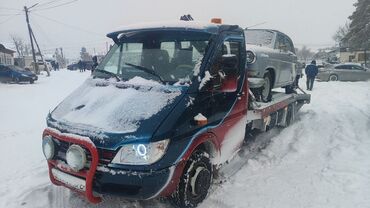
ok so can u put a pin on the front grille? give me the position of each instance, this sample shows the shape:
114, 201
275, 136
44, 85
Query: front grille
105, 156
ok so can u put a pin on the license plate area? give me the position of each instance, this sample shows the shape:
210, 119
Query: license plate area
69, 180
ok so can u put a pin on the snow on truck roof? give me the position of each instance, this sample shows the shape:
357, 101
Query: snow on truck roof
186, 25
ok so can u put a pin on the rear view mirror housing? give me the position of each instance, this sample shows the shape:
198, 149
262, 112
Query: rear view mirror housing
229, 64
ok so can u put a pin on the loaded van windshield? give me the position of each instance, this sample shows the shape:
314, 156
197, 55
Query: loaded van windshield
164, 56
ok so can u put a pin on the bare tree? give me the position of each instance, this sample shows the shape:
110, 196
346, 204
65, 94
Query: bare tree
18, 43
21, 47
304, 54
341, 33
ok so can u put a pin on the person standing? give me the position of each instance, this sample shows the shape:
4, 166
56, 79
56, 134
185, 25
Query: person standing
311, 72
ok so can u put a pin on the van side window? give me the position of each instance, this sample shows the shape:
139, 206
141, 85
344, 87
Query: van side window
229, 48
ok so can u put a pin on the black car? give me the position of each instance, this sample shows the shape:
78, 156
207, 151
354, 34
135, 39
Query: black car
11, 73
81, 65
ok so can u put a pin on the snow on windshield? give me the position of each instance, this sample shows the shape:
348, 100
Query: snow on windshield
259, 37
117, 110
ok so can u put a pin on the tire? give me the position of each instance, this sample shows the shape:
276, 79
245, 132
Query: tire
32, 81
333, 78
290, 116
16, 80
195, 181
266, 94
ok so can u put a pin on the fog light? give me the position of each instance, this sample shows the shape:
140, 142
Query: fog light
76, 157
48, 147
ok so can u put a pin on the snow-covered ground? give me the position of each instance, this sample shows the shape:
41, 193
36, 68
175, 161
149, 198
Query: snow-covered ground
322, 160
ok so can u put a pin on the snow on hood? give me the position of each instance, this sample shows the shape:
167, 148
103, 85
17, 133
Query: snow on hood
114, 107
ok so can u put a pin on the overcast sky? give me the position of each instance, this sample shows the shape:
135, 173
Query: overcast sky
86, 22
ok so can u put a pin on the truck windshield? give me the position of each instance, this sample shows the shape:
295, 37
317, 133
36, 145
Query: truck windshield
166, 56
259, 37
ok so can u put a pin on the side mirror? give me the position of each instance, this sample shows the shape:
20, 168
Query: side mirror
229, 65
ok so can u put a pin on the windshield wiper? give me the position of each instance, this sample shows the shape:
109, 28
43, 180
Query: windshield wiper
109, 73
149, 71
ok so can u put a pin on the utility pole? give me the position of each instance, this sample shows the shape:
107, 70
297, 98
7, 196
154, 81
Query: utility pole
26, 10
42, 58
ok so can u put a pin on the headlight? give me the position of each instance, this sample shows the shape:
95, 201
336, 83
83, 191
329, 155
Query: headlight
141, 154
48, 147
251, 57
76, 157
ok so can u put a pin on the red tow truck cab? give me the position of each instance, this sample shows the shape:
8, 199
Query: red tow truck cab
169, 104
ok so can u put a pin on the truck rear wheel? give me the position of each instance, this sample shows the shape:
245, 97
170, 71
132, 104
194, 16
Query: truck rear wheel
195, 181
290, 116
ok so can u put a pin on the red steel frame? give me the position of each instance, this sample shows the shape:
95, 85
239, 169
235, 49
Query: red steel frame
87, 174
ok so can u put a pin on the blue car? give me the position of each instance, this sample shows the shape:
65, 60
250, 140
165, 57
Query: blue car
11, 73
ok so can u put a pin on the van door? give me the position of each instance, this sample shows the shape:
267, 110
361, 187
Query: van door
228, 108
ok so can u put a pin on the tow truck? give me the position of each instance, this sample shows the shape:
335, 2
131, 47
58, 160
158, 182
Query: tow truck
168, 106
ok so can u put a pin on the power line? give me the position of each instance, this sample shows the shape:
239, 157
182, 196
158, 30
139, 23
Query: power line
67, 25
59, 5
9, 18
7, 8
47, 3
5, 15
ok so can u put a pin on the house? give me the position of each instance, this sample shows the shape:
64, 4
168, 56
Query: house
354, 55
6, 55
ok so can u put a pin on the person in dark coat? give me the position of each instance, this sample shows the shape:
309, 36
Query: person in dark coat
80, 65
311, 72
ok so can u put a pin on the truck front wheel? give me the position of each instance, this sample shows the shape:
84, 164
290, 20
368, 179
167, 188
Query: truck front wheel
195, 180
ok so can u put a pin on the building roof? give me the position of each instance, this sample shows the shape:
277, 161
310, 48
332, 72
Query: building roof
6, 50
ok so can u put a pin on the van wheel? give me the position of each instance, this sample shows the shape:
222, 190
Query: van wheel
16, 80
266, 94
195, 181
333, 77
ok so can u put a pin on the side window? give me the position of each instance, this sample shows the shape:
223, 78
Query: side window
218, 72
356, 68
339, 67
279, 41
289, 45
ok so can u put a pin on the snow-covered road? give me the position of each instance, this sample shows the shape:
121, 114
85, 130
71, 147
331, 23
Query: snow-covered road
322, 160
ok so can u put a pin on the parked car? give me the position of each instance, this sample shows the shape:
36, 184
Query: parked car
83, 64
271, 57
11, 73
73, 66
344, 72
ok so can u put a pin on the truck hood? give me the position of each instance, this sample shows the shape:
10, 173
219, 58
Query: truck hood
112, 113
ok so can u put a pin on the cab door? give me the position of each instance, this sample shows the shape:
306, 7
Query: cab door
229, 107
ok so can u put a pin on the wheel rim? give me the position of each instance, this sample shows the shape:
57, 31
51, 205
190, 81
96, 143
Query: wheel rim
266, 87
200, 181
333, 78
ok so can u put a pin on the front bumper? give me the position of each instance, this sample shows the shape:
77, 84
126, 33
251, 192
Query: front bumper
132, 184
103, 179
